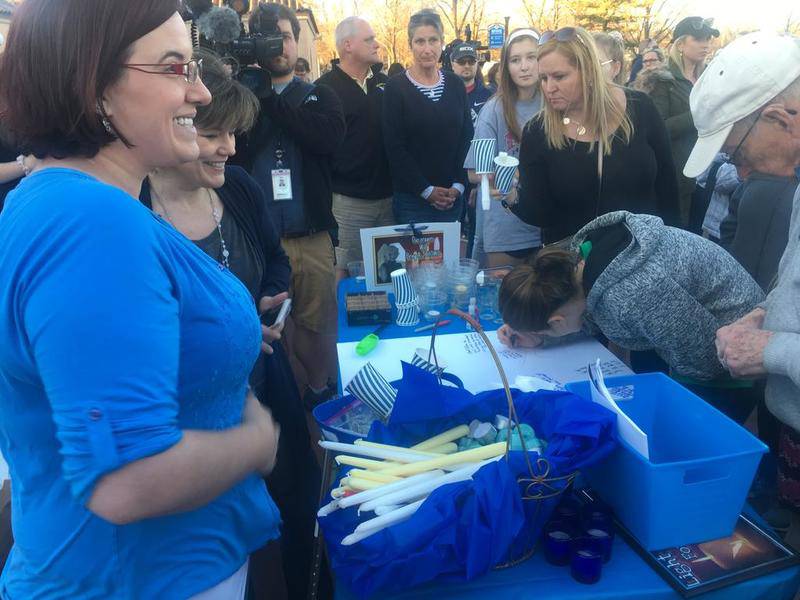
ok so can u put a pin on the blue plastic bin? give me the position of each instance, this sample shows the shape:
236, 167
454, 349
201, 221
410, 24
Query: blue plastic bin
700, 469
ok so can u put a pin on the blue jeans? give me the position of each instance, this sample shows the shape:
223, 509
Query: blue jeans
409, 208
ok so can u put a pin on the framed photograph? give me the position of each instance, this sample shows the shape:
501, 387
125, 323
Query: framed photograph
387, 249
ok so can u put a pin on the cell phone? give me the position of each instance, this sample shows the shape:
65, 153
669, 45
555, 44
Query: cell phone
286, 306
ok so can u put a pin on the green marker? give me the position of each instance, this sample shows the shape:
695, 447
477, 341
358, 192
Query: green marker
368, 342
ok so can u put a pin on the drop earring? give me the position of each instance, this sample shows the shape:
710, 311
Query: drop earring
105, 121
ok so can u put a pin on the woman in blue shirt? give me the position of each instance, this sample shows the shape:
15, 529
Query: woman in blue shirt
134, 447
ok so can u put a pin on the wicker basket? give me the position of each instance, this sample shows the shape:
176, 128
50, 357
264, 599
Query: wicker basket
538, 490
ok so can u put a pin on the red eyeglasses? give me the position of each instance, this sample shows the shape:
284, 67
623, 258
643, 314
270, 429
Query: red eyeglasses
191, 71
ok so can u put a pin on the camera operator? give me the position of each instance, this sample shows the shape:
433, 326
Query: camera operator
289, 153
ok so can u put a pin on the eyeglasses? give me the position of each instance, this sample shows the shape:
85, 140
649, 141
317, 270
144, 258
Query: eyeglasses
650, 61
465, 61
191, 71
733, 155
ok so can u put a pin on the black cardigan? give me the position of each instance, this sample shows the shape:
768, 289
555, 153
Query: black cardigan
559, 188
360, 167
426, 141
245, 202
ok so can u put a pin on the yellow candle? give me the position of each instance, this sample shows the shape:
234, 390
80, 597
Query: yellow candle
467, 456
448, 436
448, 448
373, 476
363, 463
397, 448
363, 484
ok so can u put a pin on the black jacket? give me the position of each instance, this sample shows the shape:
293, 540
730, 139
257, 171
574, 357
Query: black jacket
244, 201
756, 229
317, 127
426, 141
559, 189
671, 97
360, 167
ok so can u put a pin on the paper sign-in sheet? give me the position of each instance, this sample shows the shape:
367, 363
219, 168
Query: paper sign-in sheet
467, 357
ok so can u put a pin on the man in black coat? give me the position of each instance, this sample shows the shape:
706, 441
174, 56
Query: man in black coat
361, 181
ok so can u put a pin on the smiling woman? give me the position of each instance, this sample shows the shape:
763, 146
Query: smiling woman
123, 372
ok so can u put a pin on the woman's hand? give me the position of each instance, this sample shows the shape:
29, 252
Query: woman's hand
272, 333
516, 339
260, 419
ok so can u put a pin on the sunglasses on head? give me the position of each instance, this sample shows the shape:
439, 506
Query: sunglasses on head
565, 34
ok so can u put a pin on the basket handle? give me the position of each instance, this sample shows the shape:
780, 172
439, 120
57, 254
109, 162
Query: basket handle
512, 411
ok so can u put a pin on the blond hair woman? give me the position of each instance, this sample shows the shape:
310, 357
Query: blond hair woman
595, 147
691, 46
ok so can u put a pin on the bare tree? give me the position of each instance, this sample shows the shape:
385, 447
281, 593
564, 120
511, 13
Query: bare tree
459, 13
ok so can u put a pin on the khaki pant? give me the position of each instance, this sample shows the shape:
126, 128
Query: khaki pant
353, 215
313, 283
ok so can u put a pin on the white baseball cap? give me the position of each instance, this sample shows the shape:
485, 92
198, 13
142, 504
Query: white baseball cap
743, 77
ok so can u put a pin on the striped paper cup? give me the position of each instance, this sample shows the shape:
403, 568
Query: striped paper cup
505, 168
484, 151
374, 390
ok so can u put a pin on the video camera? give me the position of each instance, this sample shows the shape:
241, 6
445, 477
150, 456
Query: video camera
220, 29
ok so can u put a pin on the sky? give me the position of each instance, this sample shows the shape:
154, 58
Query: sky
743, 14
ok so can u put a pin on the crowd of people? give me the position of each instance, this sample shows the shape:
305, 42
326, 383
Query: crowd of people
157, 212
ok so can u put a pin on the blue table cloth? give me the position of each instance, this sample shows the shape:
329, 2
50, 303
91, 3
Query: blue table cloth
354, 334
626, 575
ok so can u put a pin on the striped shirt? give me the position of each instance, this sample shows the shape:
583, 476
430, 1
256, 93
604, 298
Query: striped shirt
434, 92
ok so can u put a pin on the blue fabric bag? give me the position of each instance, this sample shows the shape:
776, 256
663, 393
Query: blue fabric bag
464, 529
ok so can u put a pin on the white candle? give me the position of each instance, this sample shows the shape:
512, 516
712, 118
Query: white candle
387, 489
394, 455
424, 488
363, 463
373, 526
448, 448
428, 454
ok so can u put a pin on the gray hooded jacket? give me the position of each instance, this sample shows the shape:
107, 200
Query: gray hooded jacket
669, 291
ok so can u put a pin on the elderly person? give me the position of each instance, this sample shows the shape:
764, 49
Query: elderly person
427, 128
136, 449
756, 121
360, 178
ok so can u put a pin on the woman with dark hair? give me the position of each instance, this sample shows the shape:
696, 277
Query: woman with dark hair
596, 147
427, 128
644, 286
501, 235
135, 447
223, 211
691, 46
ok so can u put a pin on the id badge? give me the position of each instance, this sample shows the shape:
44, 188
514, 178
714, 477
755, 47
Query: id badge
281, 184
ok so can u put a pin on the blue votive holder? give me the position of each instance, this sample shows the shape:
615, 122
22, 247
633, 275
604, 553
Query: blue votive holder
600, 541
558, 543
586, 565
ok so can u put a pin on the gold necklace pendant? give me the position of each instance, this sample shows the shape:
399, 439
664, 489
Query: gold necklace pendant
566, 121
581, 130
